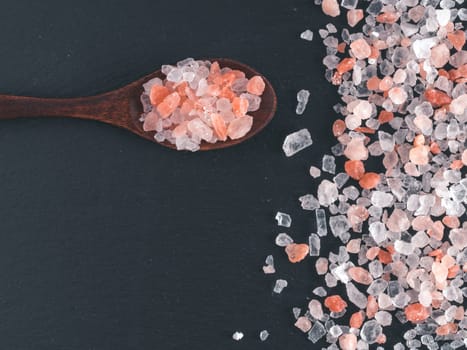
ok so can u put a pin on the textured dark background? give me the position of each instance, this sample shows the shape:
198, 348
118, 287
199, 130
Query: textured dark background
111, 242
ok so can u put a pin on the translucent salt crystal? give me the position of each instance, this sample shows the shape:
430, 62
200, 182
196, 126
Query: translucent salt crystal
349, 4
320, 291
321, 266
386, 141
355, 296
384, 318
316, 332
321, 225
378, 232
316, 309
422, 47
296, 142
302, 99
443, 17
363, 109
327, 193
315, 172
335, 331
283, 219
308, 202
263, 335
462, 13
269, 267
381, 199
237, 336
175, 75
339, 225
283, 240
279, 286
149, 84
315, 244
371, 330
296, 312
254, 102
307, 35
329, 164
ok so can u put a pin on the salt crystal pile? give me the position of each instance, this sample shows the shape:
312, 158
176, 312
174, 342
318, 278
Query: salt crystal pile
400, 237
199, 101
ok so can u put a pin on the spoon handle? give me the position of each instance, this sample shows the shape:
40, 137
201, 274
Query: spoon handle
93, 107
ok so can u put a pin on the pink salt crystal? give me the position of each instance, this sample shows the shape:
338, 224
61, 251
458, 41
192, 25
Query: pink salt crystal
180, 130
348, 341
354, 246
360, 49
398, 221
360, 275
385, 83
357, 214
303, 323
440, 55
239, 127
419, 155
150, 121
398, 95
464, 157
422, 223
331, 8
354, 16
356, 150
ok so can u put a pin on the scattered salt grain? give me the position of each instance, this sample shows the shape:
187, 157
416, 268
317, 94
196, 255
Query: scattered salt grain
307, 35
296, 142
283, 219
279, 286
237, 336
302, 98
283, 240
263, 335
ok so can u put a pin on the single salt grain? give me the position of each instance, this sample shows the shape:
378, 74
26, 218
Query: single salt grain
316, 332
263, 335
302, 99
303, 323
279, 286
315, 244
296, 142
309, 202
316, 172
283, 219
321, 225
283, 240
329, 164
307, 35
237, 336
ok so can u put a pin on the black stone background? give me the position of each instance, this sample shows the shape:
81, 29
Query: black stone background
111, 242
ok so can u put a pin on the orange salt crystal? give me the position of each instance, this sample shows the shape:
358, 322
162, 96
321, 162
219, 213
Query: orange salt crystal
457, 164
371, 307
372, 253
215, 68
226, 92
437, 253
436, 231
451, 221
385, 116
157, 94
374, 53
297, 252
256, 86
406, 42
341, 47
381, 339
388, 17
437, 98
238, 74
354, 16
384, 256
355, 169
448, 328
453, 271
335, 303
369, 181
434, 148
214, 90
356, 320
240, 106
338, 127
168, 105
457, 39
373, 83
346, 65
385, 84
365, 130
419, 140
416, 313
443, 73
219, 126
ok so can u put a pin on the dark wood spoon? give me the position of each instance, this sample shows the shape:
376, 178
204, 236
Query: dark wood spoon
123, 108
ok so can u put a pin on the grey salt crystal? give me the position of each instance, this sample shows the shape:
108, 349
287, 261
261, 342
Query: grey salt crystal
329, 164
283, 240
307, 35
316, 332
309, 202
296, 312
371, 330
263, 335
302, 98
279, 286
320, 291
315, 244
355, 296
339, 225
349, 4
296, 142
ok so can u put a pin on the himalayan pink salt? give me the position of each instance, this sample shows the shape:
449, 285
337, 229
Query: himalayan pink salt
360, 275
335, 303
198, 101
437, 98
357, 214
356, 320
355, 169
356, 150
419, 155
331, 8
369, 181
354, 16
398, 95
398, 221
440, 55
464, 157
321, 266
348, 341
457, 39
360, 49
303, 323
297, 252
416, 313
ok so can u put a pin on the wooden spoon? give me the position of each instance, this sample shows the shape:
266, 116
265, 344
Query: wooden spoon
123, 108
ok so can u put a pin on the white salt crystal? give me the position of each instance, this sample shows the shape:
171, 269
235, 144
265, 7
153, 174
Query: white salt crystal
443, 17
296, 142
283, 240
308, 202
237, 336
402, 247
381, 199
321, 225
302, 99
378, 231
329, 164
279, 286
307, 35
315, 244
283, 219
422, 47
263, 335
315, 172
355, 296
327, 193
371, 330
317, 332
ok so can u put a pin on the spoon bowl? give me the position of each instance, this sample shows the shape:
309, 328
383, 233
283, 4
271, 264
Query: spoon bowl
123, 107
